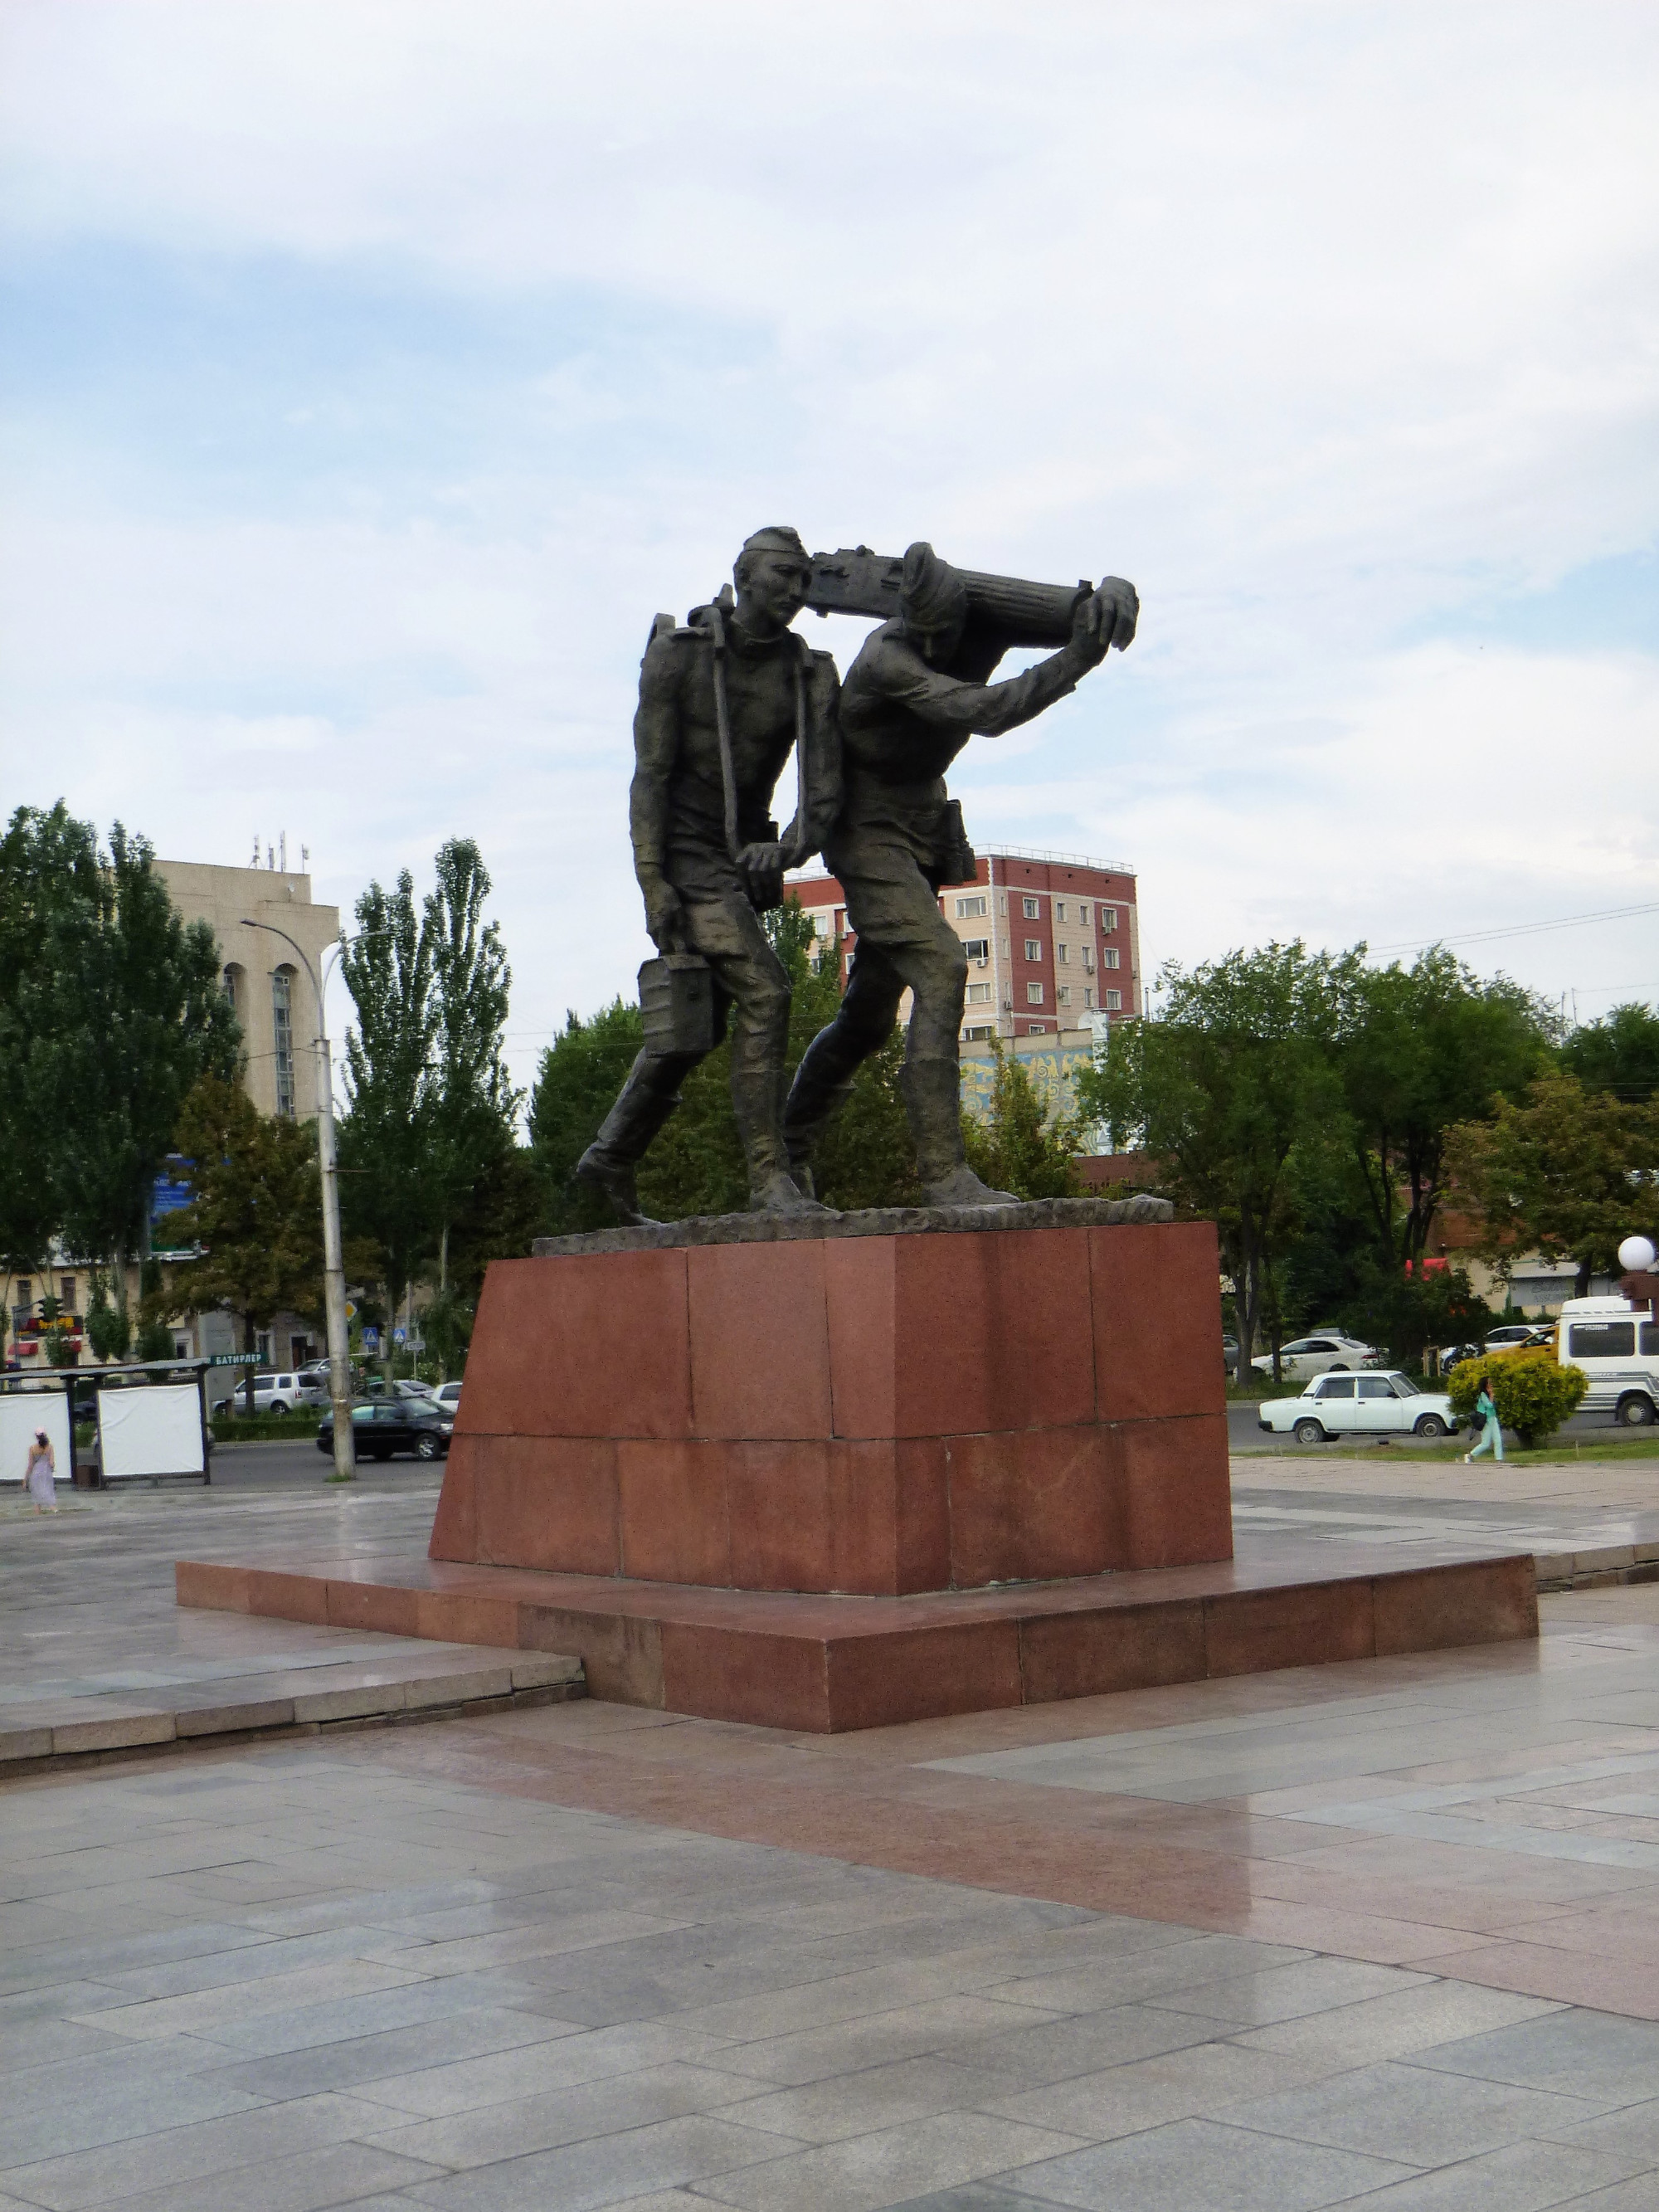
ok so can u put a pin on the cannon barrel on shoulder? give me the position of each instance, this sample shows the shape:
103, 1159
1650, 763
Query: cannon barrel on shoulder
856, 581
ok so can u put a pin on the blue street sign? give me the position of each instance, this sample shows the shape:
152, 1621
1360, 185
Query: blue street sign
398, 1334
371, 1339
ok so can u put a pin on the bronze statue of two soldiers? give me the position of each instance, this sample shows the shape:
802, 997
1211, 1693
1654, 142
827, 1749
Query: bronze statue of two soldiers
723, 701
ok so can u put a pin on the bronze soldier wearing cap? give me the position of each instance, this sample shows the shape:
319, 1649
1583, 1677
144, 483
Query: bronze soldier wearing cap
915, 695
723, 700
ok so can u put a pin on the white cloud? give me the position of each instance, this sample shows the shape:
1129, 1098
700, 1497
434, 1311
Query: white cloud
1318, 320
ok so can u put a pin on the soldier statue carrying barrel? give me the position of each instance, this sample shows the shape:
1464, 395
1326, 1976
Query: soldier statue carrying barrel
723, 700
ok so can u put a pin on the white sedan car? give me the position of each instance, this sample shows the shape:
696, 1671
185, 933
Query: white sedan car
1324, 1352
1389, 1404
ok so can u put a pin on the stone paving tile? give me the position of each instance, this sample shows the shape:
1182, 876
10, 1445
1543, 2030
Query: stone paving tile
178, 2155
633, 2100
1397, 2026
1383, 2108
1205, 2163
1523, 2176
1599, 2057
1291, 1993
860, 2103
606, 2170
367, 2063
1198, 2082
865, 2171
340, 2173
474, 2084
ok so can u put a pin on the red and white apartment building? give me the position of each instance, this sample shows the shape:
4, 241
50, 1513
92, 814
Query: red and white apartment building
1053, 942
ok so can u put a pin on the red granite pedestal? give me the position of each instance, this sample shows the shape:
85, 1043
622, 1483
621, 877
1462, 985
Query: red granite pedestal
829, 1475
879, 1413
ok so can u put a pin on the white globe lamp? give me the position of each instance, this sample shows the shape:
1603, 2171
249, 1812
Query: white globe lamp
1636, 1255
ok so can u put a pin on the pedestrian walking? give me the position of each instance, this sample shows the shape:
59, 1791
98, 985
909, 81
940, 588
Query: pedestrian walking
39, 1480
1492, 1433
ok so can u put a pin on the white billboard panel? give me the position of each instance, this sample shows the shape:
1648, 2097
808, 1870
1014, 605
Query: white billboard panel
23, 1412
155, 1430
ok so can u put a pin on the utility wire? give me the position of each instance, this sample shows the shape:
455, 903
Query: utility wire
1518, 929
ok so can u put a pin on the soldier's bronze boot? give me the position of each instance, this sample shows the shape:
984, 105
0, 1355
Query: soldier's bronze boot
648, 1097
933, 1093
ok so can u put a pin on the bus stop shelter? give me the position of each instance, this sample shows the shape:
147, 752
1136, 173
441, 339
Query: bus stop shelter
149, 1420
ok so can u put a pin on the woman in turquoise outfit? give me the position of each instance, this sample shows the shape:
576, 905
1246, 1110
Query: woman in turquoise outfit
1492, 1433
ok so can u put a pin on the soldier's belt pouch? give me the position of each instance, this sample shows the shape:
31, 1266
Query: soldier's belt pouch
676, 1003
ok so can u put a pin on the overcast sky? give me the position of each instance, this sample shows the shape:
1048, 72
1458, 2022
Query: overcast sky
374, 373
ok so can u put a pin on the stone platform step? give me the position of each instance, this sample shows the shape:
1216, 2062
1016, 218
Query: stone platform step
825, 1663
114, 1714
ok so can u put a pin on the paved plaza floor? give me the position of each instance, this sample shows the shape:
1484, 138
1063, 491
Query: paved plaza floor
1385, 1933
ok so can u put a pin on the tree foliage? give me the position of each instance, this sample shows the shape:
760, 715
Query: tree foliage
256, 1210
111, 1008
1022, 1144
1419, 1050
1220, 1090
1620, 1054
1568, 1173
431, 1175
1533, 1393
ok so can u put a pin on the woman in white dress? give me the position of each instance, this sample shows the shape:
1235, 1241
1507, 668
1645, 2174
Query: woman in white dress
42, 1470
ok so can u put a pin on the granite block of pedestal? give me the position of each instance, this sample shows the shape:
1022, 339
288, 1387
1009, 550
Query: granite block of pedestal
881, 1403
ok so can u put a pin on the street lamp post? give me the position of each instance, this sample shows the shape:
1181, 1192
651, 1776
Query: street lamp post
339, 1355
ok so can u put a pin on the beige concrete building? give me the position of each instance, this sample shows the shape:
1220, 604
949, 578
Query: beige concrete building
272, 988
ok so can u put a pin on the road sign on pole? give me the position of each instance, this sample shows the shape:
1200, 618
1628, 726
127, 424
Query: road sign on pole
371, 1339
398, 1334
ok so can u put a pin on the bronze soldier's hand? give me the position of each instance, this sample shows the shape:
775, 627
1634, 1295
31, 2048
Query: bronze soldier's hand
1106, 618
762, 869
665, 918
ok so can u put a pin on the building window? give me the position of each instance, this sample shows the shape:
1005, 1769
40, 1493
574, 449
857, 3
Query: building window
1063, 953
1031, 909
66, 1292
1034, 948
978, 1033
979, 995
968, 908
1036, 1028
1060, 910
823, 922
1108, 917
1083, 912
1109, 957
977, 948
1034, 995
1115, 1002
262, 1346
282, 1016
1088, 959
232, 980
1064, 995
1088, 996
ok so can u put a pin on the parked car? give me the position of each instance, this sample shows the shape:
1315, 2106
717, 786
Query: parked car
1618, 1347
1511, 1336
273, 1393
1322, 1354
315, 1387
401, 1387
447, 1394
385, 1426
1335, 1404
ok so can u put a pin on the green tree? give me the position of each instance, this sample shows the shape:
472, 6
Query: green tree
473, 1104
257, 1213
1619, 1054
579, 1076
112, 1012
1022, 1144
1568, 1174
1219, 1088
1420, 1050
1532, 1393
427, 1152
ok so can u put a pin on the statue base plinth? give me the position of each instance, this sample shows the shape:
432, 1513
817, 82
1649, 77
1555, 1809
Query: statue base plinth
880, 1404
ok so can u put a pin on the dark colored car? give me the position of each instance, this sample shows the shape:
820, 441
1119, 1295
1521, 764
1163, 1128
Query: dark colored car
387, 1425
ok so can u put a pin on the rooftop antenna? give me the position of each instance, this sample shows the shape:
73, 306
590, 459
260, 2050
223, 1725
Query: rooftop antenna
270, 857
282, 834
255, 862
304, 856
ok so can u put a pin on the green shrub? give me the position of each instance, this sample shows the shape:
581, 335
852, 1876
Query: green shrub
1533, 1392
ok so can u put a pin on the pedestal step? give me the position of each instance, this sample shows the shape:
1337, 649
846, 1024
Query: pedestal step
826, 1663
